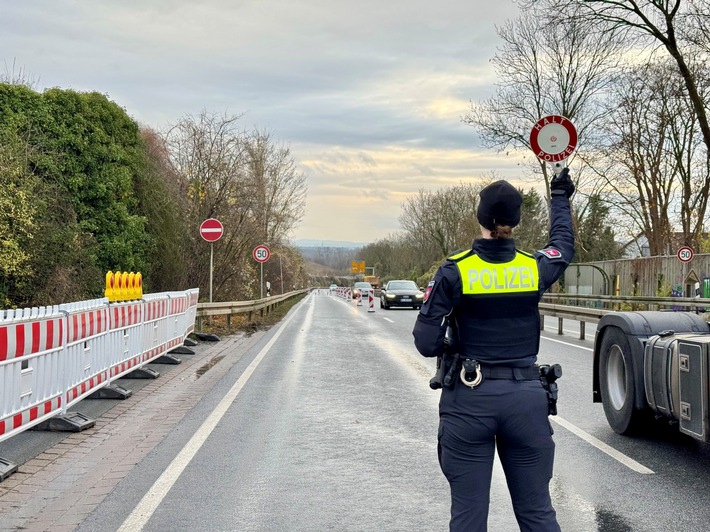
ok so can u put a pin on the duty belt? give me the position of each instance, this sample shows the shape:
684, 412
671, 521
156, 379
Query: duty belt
473, 373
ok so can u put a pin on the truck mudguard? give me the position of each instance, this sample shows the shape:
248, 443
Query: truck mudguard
638, 326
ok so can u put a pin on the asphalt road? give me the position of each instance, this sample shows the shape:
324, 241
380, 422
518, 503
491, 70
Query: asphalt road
328, 423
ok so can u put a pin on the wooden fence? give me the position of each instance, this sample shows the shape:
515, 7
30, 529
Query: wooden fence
641, 276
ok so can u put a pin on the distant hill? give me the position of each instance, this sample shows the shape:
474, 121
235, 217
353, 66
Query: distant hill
314, 268
336, 258
306, 243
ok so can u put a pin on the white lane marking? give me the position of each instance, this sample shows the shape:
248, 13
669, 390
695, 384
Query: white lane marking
387, 319
157, 492
567, 343
616, 455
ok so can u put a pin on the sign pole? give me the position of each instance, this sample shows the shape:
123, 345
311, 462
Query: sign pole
211, 267
261, 254
211, 230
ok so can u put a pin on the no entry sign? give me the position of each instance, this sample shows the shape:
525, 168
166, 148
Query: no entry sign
553, 138
211, 230
261, 253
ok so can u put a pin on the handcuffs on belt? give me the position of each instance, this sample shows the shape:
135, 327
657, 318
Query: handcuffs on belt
468, 367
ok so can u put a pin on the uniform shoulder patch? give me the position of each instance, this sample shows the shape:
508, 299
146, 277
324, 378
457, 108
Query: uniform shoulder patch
428, 290
551, 253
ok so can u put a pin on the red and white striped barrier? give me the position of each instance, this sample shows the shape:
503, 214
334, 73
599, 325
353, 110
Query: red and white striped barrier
193, 295
125, 337
155, 326
51, 358
371, 300
344, 293
359, 298
177, 308
86, 359
31, 346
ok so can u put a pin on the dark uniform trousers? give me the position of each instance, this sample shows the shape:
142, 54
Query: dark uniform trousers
512, 416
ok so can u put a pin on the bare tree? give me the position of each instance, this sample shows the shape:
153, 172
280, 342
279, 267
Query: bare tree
247, 182
644, 174
209, 151
15, 75
399, 256
658, 21
696, 26
441, 222
545, 67
656, 159
276, 184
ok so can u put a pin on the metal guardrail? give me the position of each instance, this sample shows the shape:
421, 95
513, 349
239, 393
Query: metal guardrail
563, 312
636, 302
229, 308
561, 306
599, 305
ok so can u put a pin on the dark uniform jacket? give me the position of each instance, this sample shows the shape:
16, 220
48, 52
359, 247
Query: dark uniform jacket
494, 306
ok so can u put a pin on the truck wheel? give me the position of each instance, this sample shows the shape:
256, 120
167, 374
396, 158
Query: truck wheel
616, 382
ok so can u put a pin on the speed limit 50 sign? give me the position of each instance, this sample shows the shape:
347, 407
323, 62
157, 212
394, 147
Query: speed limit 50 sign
261, 253
685, 254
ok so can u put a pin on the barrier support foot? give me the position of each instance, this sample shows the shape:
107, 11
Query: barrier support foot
113, 391
190, 342
182, 350
143, 373
207, 337
7, 468
167, 358
72, 422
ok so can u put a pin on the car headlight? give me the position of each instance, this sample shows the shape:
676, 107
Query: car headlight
420, 296
390, 296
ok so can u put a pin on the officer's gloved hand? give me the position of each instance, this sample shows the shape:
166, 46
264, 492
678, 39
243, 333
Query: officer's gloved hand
562, 184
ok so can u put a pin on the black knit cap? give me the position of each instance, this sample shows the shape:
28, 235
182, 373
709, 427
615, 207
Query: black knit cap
499, 205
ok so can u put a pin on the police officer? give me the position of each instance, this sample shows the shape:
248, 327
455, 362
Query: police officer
489, 294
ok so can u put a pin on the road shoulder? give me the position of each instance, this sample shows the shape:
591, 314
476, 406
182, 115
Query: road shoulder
60, 487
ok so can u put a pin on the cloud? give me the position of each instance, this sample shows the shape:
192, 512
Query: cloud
368, 94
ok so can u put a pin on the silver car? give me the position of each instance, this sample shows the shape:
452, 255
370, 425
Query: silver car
361, 288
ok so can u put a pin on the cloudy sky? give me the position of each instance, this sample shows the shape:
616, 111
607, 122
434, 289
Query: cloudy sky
368, 94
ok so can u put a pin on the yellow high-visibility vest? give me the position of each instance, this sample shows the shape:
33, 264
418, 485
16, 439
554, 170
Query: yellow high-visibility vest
520, 275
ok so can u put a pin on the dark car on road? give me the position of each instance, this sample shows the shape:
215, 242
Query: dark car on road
401, 293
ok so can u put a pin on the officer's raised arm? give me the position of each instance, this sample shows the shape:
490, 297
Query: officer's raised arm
559, 251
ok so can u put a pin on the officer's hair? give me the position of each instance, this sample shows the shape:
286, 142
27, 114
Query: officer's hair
502, 232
